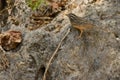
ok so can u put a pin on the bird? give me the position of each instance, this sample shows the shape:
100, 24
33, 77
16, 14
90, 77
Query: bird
79, 23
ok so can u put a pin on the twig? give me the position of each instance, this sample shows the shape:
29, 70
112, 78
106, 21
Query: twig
41, 18
53, 55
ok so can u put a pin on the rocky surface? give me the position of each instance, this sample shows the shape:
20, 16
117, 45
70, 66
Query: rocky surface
95, 56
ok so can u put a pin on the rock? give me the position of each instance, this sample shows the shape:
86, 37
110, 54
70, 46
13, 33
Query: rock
4, 62
95, 56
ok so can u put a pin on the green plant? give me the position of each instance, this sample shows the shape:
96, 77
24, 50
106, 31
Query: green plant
34, 4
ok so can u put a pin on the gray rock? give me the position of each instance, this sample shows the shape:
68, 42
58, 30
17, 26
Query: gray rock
95, 56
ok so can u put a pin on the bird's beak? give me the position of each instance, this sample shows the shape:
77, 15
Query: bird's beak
65, 13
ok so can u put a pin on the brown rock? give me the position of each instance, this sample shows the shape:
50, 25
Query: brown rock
10, 39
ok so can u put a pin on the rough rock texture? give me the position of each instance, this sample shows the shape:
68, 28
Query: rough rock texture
95, 56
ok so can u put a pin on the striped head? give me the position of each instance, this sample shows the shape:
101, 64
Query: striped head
74, 19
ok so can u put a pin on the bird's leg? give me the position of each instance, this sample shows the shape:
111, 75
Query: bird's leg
81, 31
